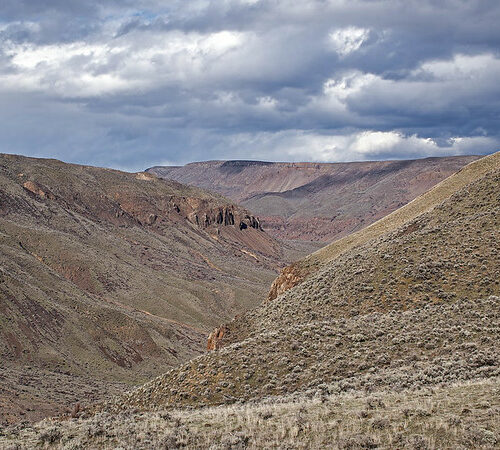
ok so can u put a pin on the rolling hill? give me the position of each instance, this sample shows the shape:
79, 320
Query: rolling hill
460, 415
110, 278
415, 304
317, 201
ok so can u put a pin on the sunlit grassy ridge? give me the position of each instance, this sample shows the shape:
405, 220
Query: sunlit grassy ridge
420, 205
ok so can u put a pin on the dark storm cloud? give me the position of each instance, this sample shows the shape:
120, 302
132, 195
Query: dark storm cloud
131, 84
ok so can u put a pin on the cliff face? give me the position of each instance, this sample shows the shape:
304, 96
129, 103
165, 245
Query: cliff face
206, 216
203, 213
316, 201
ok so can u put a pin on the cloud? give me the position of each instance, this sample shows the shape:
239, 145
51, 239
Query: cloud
80, 69
297, 145
131, 84
348, 40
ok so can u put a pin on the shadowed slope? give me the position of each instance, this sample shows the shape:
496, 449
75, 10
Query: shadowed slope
110, 277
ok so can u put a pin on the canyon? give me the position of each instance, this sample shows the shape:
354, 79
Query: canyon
317, 202
111, 283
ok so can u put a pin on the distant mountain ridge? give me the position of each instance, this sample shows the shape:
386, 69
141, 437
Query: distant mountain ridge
317, 201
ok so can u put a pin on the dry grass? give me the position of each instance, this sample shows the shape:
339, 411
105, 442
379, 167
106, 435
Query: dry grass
459, 416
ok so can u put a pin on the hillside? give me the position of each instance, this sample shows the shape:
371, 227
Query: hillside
415, 306
110, 278
300, 270
317, 201
389, 341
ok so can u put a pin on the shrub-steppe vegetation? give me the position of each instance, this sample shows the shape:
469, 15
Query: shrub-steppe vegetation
460, 415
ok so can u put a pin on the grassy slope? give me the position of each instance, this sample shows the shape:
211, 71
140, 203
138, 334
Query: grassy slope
399, 311
300, 270
397, 350
463, 415
420, 205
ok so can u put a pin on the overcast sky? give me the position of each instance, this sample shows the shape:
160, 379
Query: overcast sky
139, 83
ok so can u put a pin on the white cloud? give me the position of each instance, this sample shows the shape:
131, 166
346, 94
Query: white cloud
29, 56
438, 87
348, 84
81, 69
369, 142
348, 40
298, 145
460, 67
267, 102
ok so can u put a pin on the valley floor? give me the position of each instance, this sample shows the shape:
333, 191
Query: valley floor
29, 393
465, 415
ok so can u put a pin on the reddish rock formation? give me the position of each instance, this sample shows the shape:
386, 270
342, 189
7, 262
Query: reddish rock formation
215, 338
204, 216
36, 189
289, 277
204, 213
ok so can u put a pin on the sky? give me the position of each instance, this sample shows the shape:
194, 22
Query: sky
132, 84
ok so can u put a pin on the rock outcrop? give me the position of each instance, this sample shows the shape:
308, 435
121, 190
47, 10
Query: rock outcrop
215, 337
288, 278
129, 207
38, 190
205, 216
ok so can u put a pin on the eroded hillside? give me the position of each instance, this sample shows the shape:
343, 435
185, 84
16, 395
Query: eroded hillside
108, 278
